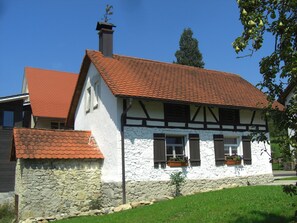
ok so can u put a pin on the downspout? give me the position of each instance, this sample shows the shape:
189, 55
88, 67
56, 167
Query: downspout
123, 116
35, 122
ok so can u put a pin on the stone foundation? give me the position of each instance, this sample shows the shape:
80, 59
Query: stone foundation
51, 187
142, 190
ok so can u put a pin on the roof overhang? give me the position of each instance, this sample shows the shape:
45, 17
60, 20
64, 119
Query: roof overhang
16, 97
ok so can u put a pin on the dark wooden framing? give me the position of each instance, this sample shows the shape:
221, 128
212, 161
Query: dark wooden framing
196, 113
204, 124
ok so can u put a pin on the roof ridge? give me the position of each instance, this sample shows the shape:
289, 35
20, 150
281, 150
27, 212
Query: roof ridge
59, 71
52, 130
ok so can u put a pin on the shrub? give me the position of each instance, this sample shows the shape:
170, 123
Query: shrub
177, 179
6, 213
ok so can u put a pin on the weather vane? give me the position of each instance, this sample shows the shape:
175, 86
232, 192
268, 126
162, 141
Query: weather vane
108, 13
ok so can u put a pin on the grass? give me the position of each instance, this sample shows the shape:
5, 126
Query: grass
287, 178
257, 204
277, 166
6, 213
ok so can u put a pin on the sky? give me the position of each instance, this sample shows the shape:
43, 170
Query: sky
54, 34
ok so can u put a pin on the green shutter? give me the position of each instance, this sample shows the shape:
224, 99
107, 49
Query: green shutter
219, 149
194, 149
247, 153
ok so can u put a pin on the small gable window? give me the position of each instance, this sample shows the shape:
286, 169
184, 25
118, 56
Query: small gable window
229, 116
88, 100
96, 94
176, 113
8, 119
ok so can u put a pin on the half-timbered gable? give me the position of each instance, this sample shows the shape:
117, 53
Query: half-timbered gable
189, 116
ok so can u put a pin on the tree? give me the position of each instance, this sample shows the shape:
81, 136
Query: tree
279, 19
188, 53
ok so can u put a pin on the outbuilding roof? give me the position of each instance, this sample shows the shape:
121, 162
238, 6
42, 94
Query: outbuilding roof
53, 144
50, 91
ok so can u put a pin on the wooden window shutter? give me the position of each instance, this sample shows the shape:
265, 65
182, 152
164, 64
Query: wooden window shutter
247, 153
219, 149
194, 149
159, 148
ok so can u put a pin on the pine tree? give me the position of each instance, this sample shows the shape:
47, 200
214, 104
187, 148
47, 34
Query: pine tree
188, 53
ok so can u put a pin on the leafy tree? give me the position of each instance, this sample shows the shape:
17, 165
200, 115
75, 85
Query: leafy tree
188, 53
279, 19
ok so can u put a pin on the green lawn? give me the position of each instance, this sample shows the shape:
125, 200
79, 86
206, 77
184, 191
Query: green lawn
287, 178
257, 204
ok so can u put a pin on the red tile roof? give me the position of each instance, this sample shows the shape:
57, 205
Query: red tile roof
54, 144
140, 78
50, 92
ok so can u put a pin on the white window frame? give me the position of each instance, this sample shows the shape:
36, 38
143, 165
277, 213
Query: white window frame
175, 145
230, 145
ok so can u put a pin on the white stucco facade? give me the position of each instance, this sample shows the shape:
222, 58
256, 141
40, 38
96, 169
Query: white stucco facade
105, 124
140, 163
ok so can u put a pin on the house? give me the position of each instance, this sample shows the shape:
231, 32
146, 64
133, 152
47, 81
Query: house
44, 103
140, 115
11, 115
50, 94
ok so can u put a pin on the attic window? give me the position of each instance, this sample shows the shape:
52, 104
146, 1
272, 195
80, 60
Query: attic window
88, 100
96, 94
229, 116
176, 113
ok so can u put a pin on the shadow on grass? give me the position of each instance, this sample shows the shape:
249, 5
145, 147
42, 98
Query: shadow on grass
262, 217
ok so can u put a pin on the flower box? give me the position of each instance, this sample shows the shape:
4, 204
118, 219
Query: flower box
173, 163
233, 162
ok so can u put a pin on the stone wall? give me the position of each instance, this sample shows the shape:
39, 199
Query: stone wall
52, 187
149, 190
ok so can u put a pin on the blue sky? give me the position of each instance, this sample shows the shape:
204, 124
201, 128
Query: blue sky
54, 34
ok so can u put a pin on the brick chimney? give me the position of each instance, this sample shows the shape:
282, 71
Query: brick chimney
105, 33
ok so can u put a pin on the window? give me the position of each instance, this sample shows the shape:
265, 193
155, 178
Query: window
231, 146
175, 147
229, 116
8, 119
170, 147
96, 94
88, 100
176, 113
57, 125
